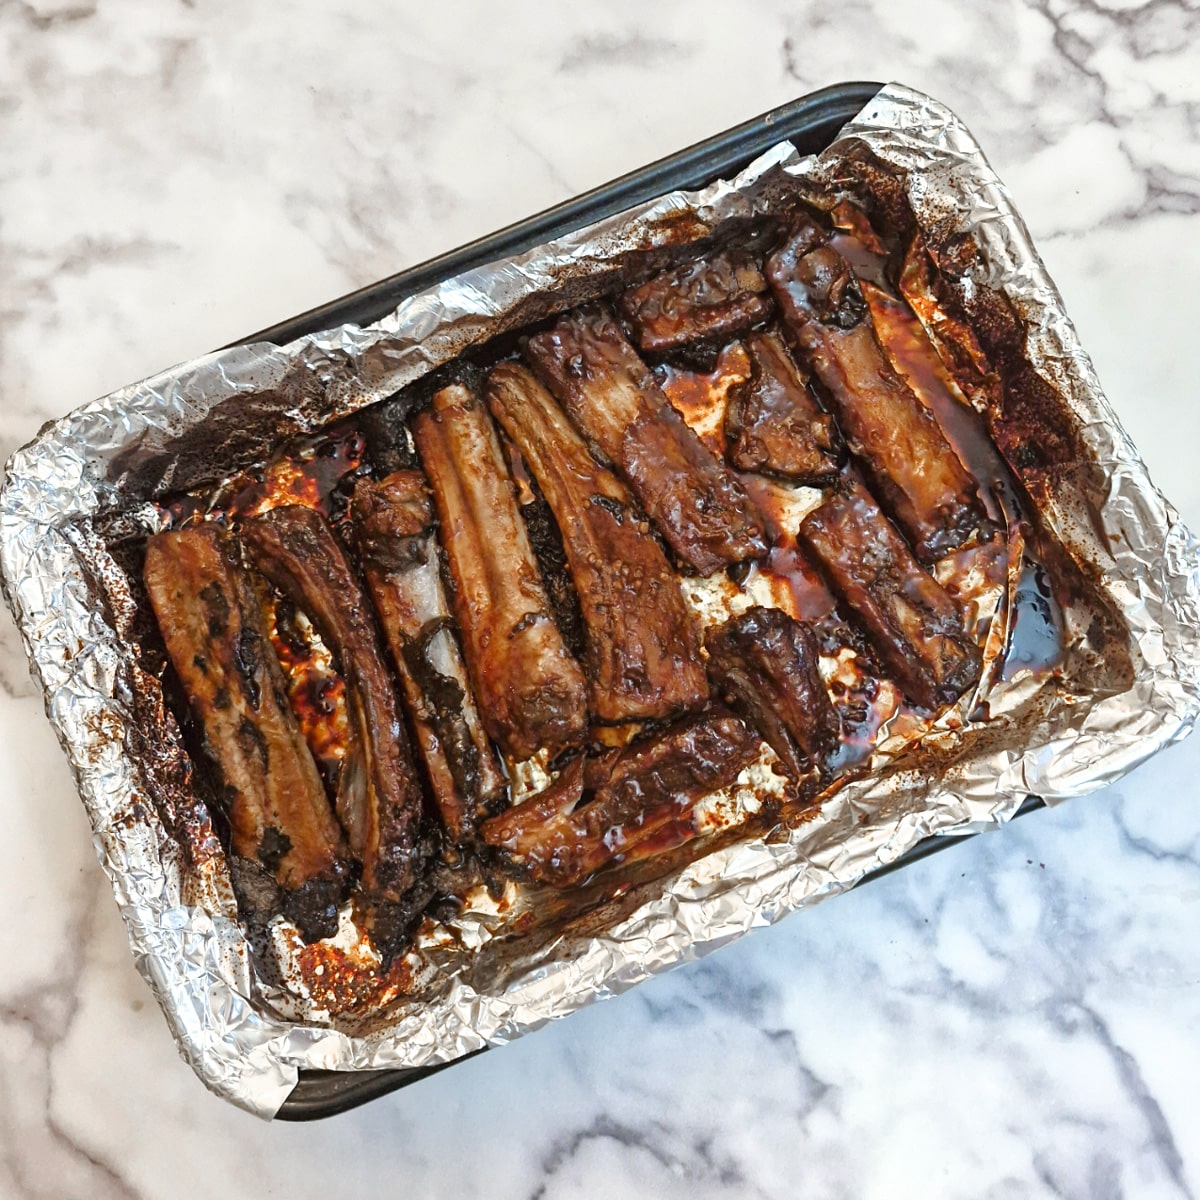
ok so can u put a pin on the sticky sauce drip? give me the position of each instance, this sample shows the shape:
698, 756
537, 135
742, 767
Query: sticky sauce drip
1036, 627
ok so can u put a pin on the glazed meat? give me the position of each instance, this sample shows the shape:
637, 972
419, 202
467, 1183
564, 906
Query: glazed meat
394, 524
625, 804
692, 497
774, 425
269, 788
765, 663
915, 628
530, 690
642, 659
379, 797
907, 458
581, 568
711, 300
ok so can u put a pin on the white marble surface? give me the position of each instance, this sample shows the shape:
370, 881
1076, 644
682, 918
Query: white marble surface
1019, 1016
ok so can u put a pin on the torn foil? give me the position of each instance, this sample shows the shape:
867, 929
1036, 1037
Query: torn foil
230, 408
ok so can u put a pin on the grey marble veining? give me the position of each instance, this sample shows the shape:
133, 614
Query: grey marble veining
1018, 1016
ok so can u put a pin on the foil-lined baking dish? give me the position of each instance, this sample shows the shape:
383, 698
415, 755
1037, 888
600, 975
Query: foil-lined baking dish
1130, 688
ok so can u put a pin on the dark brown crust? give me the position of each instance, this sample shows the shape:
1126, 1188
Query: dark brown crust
531, 691
774, 425
909, 461
642, 658
914, 626
693, 498
270, 790
379, 797
624, 805
393, 520
765, 663
711, 300
551, 555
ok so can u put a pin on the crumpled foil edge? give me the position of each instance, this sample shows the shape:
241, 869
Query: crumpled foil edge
198, 963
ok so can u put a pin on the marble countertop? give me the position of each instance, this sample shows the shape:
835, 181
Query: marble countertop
1018, 1016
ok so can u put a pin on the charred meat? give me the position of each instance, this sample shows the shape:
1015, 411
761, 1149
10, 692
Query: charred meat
269, 788
693, 498
710, 300
765, 663
530, 690
903, 450
642, 659
379, 797
394, 523
616, 807
550, 561
916, 629
774, 425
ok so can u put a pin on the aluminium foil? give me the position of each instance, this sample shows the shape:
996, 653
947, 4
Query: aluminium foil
184, 427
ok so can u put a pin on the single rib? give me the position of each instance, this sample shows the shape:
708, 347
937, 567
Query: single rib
692, 497
615, 807
711, 300
394, 523
642, 659
530, 690
774, 425
766, 664
269, 788
903, 450
916, 628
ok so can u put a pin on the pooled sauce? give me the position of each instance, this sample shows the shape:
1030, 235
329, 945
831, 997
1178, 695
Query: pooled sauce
791, 579
798, 589
869, 265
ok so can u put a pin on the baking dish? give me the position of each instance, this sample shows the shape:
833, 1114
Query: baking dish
809, 123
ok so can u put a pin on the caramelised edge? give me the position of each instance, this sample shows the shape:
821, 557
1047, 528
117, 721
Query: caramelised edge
709, 300
624, 805
530, 690
393, 522
908, 459
774, 425
916, 629
379, 799
766, 664
642, 659
270, 790
693, 498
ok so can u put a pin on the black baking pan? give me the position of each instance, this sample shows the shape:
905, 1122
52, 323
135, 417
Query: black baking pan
810, 123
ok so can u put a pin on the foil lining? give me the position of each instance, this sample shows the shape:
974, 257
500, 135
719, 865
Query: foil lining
166, 433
